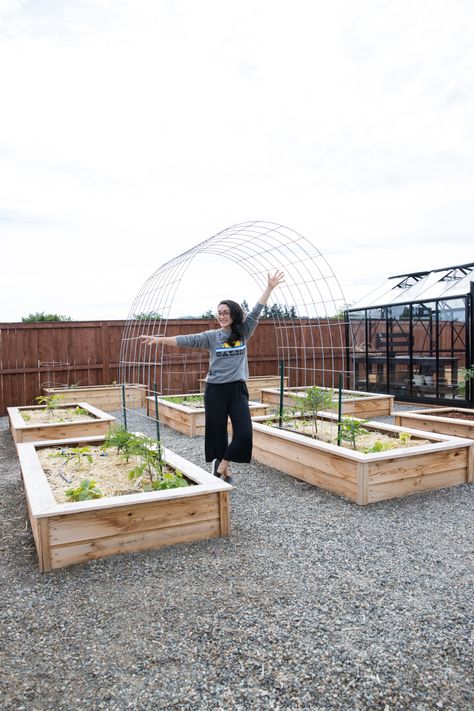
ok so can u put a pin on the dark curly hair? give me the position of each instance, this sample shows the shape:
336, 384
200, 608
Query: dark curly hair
237, 316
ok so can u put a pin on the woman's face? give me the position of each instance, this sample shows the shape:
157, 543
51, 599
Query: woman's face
223, 316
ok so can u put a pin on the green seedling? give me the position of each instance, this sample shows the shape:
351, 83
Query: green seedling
51, 402
149, 457
80, 411
170, 480
315, 400
26, 416
149, 470
123, 441
378, 446
404, 437
197, 400
75, 455
350, 428
86, 490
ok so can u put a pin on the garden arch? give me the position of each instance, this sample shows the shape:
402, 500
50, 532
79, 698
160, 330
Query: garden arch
308, 308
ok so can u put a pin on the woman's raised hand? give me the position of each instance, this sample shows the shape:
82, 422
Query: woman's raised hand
275, 279
148, 340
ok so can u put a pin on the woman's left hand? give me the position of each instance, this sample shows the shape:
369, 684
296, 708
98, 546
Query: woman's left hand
275, 279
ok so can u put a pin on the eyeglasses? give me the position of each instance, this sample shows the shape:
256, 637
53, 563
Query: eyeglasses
223, 313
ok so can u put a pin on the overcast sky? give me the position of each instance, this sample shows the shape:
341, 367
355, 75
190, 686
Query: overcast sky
132, 130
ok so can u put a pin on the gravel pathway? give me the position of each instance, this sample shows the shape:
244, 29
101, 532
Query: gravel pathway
313, 603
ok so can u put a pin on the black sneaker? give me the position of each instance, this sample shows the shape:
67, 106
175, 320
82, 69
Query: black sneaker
228, 479
214, 467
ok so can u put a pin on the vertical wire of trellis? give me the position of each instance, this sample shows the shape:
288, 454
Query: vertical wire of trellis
310, 333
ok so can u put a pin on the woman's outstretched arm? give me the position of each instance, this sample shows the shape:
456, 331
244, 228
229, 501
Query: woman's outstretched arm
273, 281
158, 340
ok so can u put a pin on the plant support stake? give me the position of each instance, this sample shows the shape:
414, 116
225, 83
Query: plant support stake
339, 411
124, 407
155, 391
282, 384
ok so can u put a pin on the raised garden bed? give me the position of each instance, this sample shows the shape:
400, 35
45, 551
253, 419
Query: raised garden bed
32, 423
367, 478
70, 533
446, 420
354, 402
105, 397
185, 413
255, 383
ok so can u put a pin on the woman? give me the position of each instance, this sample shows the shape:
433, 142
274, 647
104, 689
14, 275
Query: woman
226, 393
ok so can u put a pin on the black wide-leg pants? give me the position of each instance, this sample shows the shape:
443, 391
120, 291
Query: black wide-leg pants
221, 401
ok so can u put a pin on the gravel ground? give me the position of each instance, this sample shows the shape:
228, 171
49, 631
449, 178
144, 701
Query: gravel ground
312, 603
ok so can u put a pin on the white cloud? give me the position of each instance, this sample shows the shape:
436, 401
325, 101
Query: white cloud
131, 131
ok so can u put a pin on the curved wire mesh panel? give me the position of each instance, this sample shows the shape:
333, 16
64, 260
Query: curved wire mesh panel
310, 335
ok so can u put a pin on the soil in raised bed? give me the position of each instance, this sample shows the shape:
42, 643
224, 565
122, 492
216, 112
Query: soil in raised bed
195, 401
327, 432
108, 469
454, 415
59, 415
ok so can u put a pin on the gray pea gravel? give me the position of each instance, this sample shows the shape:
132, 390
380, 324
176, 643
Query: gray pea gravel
312, 603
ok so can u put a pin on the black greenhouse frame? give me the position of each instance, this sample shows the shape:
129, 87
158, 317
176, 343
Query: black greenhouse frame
417, 350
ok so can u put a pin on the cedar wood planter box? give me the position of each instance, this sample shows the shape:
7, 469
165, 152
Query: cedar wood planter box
367, 478
105, 397
362, 405
189, 420
77, 532
255, 383
433, 420
24, 432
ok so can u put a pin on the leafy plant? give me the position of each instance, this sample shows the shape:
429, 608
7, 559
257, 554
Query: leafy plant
121, 439
26, 416
41, 316
378, 446
75, 455
51, 402
185, 400
80, 411
148, 456
314, 400
170, 480
86, 490
350, 428
404, 437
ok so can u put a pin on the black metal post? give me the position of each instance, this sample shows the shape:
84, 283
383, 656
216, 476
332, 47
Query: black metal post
155, 392
470, 340
282, 387
124, 407
339, 411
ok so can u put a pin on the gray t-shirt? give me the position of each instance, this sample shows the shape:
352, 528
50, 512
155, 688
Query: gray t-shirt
227, 363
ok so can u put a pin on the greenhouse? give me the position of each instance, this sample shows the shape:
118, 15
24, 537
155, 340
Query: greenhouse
412, 337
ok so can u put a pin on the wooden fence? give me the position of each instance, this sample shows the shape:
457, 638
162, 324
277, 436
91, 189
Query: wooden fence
38, 355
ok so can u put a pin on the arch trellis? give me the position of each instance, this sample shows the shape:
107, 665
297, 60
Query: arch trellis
311, 336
